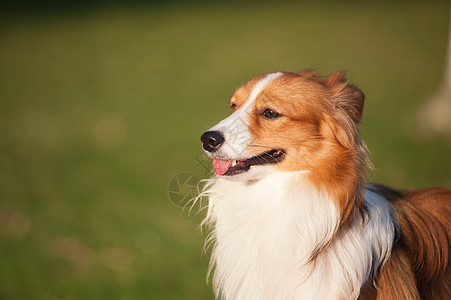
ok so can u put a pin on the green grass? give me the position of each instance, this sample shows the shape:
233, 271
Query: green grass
101, 107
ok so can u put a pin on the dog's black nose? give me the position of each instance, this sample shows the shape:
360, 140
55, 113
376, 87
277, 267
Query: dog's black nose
211, 140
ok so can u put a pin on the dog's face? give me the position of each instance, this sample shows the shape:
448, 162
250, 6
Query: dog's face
286, 122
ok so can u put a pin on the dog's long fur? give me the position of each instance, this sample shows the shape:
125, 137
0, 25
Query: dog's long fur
309, 226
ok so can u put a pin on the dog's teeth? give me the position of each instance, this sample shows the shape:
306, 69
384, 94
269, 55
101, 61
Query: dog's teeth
233, 163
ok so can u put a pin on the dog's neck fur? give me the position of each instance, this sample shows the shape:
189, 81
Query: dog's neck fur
279, 238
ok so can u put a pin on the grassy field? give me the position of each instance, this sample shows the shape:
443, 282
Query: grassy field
101, 107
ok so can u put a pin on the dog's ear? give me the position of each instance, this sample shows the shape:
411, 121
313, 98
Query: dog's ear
345, 96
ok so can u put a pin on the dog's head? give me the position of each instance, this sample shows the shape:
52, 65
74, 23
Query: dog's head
286, 122
292, 122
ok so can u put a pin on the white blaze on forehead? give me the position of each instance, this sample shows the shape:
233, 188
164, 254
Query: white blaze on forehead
259, 86
235, 127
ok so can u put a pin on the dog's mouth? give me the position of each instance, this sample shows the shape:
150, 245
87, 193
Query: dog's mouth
234, 166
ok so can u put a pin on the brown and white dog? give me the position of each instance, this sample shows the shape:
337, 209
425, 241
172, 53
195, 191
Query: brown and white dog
292, 215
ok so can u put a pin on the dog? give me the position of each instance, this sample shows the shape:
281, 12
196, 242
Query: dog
291, 213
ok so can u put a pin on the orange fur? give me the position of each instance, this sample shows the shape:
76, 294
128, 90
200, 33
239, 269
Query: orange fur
419, 266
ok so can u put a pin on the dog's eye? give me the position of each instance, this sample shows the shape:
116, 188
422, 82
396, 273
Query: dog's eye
270, 114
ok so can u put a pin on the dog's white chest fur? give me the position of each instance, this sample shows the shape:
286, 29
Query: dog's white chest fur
267, 231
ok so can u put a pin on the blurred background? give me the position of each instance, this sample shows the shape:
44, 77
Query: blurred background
102, 105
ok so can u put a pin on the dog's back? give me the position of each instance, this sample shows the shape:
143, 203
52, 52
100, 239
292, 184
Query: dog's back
419, 267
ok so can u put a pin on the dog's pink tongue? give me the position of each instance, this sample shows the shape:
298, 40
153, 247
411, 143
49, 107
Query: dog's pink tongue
221, 166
